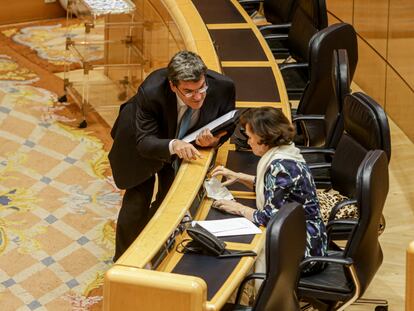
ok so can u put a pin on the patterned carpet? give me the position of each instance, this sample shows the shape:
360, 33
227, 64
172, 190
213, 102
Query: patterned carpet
58, 202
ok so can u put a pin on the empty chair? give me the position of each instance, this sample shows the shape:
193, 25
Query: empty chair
321, 46
320, 133
348, 273
285, 248
292, 40
324, 130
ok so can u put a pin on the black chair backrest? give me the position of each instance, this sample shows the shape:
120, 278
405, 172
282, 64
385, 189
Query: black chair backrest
334, 124
377, 130
372, 189
285, 248
319, 91
309, 17
279, 11
365, 128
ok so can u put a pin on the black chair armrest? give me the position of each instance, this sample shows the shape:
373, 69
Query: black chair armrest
249, 277
275, 37
284, 27
287, 66
338, 206
345, 261
301, 117
314, 166
249, 1
310, 150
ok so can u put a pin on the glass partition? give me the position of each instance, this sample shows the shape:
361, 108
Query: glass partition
116, 52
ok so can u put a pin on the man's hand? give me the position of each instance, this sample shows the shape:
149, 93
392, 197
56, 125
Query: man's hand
206, 138
185, 151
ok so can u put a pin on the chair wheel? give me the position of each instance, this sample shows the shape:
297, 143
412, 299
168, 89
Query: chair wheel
381, 308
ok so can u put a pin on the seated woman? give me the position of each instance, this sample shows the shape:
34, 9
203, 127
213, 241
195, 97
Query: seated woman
282, 176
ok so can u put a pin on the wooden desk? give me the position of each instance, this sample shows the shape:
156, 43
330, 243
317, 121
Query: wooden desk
194, 282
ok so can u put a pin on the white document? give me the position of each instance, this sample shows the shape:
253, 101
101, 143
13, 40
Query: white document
211, 126
216, 191
231, 226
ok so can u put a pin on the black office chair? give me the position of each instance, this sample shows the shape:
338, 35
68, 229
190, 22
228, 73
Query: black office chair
277, 12
318, 132
348, 273
323, 130
321, 46
285, 247
365, 128
292, 40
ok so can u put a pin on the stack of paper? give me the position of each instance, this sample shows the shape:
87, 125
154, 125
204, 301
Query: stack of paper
230, 226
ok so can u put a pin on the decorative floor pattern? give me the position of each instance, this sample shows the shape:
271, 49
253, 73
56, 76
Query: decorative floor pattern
49, 41
58, 202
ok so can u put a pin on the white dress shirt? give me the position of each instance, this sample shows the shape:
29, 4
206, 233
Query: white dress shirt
181, 109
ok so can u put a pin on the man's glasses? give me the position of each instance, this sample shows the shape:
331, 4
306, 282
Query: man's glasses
189, 94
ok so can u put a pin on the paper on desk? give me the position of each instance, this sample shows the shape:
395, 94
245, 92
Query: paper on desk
216, 191
211, 126
230, 226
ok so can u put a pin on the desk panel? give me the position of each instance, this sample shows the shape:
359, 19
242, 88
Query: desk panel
237, 45
254, 83
218, 11
212, 270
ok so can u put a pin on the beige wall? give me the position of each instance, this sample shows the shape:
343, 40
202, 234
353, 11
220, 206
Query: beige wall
386, 47
18, 11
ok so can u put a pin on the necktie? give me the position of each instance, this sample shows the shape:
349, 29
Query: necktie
185, 123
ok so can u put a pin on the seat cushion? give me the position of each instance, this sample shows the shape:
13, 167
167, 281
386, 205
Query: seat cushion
331, 279
295, 80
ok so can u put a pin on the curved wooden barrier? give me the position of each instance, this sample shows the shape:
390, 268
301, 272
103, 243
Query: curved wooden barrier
188, 282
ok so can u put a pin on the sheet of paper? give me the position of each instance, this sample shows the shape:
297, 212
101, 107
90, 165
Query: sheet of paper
230, 226
212, 125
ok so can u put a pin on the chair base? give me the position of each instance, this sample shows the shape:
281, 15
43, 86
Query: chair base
313, 305
380, 304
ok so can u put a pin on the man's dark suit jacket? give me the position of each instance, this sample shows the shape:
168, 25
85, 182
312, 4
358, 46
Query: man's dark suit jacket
148, 121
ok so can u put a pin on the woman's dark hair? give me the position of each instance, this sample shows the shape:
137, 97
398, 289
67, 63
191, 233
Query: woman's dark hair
270, 124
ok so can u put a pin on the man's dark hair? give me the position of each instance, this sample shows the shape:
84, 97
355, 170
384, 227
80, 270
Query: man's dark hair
186, 66
270, 124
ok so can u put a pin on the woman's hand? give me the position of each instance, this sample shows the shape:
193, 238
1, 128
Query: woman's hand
229, 206
235, 208
231, 177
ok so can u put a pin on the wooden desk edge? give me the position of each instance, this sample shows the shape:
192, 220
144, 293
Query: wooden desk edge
171, 211
178, 200
148, 288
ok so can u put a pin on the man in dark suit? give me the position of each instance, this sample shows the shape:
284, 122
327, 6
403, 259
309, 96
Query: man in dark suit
171, 101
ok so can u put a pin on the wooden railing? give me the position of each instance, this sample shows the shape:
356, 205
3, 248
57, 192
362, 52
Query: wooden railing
132, 283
